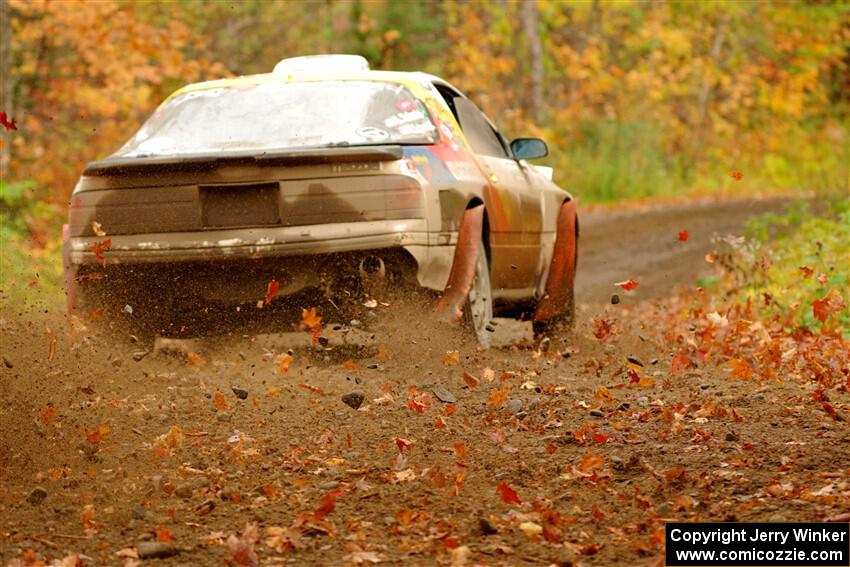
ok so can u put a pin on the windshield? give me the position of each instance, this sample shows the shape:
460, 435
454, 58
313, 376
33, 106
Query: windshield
284, 115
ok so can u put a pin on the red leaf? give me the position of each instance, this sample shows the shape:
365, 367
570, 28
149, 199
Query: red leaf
416, 406
271, 292
8, 124
509, 496
679, 363
326, 504
401, 443
736, 175
806, 271
627, 285
99, 248
830, 303
683, 235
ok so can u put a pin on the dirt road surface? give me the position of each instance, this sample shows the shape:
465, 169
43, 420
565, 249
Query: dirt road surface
229, 453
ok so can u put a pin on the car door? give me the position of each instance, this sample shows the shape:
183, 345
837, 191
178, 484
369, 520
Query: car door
515, 244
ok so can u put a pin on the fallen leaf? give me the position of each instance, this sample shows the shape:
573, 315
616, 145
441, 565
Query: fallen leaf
49, 413
283, 362
403, 443
87, 516
242, 546
220, 402
603, 395
163, 535
740, 369
271, 291
451, 357
498, 397
679, 363
590, 462
460, 454
327, 504
830, 303
195, 359
627, 285
806, 271
99, 248
736, 175
683, 235
508, 494
470, 380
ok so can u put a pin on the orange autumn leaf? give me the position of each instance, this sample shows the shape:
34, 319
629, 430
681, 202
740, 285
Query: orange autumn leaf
830, 303
460, 454
470, 380
418, 407
96, 436
806, 271
49, 413
508, 494
403, 443
740, 369
679, 363
498, 397
220, 402
451, 357
87, 516
310, 388
195, 359
603, 395
163, 535
283, 362
590, 463
327, 504
736, 175
627, 285
99, 248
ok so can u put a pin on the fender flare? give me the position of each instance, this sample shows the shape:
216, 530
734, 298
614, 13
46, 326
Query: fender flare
463, 266
562, 269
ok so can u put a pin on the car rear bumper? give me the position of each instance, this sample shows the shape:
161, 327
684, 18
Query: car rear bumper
249, 243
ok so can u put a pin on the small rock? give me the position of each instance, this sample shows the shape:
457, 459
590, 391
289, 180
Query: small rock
128, 309
358, 380
8, 363
617, 463
184, 491
544, 345
624, 406
240, 393
116, 362
139, 355
654, 361
596, 413
354, 323
643, 401
37, 495
609, 348
759, 396
242, 355
731, 437
487, 527
205, 507
156, 550
514, 405
615, 299
664, 509
353, 399
444, 395
222, 416
635, 360
139, 513
329, 485
705, 386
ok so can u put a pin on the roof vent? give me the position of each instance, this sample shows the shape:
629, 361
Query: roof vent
322, 63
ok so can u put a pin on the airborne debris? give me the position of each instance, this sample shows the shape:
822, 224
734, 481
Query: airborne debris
354, 399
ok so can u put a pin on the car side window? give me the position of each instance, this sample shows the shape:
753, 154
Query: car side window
477, 129
483, 138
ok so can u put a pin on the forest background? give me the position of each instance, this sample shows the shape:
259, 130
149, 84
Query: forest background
636, 99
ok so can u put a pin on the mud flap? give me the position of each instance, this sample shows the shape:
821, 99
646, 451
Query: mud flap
562, 269
463, 265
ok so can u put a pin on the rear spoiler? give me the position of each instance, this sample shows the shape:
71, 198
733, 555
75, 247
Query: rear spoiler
208, 160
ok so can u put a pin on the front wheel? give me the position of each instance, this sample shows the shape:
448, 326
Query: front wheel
478, 311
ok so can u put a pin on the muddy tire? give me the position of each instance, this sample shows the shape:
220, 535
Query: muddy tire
478, 310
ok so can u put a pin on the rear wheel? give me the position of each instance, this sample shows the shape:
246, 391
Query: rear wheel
478, 312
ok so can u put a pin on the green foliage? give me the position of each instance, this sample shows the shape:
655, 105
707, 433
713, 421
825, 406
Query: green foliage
792, 260
30, 245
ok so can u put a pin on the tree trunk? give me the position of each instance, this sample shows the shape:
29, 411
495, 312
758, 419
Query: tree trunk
531, 27
6, 86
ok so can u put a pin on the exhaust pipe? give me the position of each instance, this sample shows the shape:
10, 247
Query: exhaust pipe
372, 267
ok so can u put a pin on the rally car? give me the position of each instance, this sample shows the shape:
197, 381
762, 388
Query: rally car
245, 190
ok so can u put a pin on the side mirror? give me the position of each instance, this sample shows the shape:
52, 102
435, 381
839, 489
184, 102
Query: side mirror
529, 148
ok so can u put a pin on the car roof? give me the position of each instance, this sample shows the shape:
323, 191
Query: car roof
415, 81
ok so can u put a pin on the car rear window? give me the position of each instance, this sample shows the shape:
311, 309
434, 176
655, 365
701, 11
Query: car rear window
284, 115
